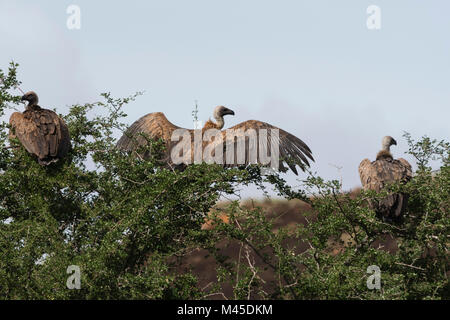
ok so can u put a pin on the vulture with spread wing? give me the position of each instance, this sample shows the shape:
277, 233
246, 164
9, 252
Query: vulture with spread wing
375, 175
291, 150
42, 132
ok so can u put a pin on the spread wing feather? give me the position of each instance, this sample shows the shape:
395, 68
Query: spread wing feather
155, 125
292, 150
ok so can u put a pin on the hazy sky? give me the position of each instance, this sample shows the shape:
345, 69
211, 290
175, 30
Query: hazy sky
310, 67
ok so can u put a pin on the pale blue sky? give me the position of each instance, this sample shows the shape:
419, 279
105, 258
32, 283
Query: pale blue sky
310, 67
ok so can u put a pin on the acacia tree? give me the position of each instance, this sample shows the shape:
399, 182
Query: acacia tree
117, 217
126, 223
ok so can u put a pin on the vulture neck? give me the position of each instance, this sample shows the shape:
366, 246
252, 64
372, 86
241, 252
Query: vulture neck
219, 123
214, 125
386, 147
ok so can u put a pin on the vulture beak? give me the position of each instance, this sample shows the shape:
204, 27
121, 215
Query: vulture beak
227, 111
394, 142
24, 97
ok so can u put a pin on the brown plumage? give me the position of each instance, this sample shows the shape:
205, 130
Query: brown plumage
375, 175
156, 126
42, 132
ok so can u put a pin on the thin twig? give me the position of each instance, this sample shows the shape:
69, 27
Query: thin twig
215, 294
410, 266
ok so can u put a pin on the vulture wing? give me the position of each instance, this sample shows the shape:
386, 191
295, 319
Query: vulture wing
377, 174
155, 125
43, 133
292, 150
407, 169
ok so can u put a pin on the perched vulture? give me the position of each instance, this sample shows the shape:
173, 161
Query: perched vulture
377, 174
239, 146
42, 132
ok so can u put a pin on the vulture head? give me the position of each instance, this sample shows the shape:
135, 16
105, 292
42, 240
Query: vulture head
218, 114
31, 97
387, 142
221, 111
385, 152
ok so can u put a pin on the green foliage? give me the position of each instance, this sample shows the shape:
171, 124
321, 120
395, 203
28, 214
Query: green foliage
128, 224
